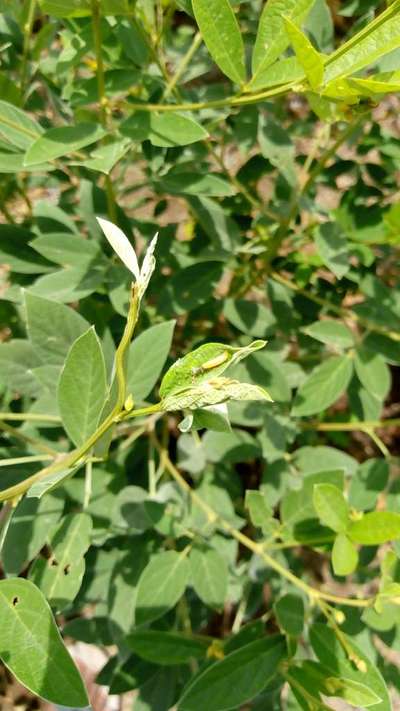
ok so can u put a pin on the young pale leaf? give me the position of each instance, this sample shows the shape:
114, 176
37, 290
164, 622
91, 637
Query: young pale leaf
17, 127
323, 387
331, 507
289, 611
60, 576
375, 528
57, 142
238, 678
221, 34
147, 355
161, 585
82, 388
52, 328
344, 555
272, 38
330, 332
319, 681
121, 246
209, 576
166, 648
311, 60
208, 361
213, 392
32, 648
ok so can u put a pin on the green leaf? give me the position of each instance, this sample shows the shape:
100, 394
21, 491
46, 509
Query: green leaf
330, 652
344, 555
17, 127
238, 678
376, 39
324, 386
367, 483
27, 533
331, 507
375, 528
82, 388
204, 363
60, 576
165, 130
31, 646
250, 317
190, 287
146, 359
311, 60
372, 372
66, 8
161, 585
17, 357
272, 38
276, 145
167, 648
104, 158
16, 252
57, 142
66, 250
209, 576
331, 244
14, 163
260, 511
50, 482
285, 70
221, 34
190, 183
52, 328
330, 332
214, 392
289, 611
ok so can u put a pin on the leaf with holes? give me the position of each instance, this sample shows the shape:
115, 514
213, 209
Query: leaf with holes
32, 648
60, 576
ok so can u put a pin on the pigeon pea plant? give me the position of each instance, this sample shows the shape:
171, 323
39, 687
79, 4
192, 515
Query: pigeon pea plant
220, 518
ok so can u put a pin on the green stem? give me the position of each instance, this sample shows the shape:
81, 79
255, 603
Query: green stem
251, 545
17, 416
103, 102
73, 457
88, 483
25, 460
231, 101
27, 30
197, 40
338, 310
14, 432
349, 426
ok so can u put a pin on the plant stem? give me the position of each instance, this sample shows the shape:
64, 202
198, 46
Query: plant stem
232, 101
73, 457
349, 426
342, 311
26, 46
103, 103
251, 545
17, 416
14, 432
25, 460
88, 483
197, 40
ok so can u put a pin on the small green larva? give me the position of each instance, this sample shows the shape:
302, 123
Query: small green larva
211, 364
